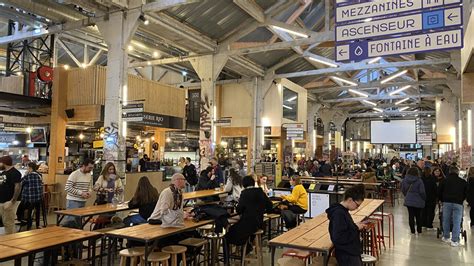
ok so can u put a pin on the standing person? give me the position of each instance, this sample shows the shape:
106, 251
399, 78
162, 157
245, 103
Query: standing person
252, 206
415, 196
142, 163
107, 185
439, 175
470, 194
78, 189
325, 166
217, 171
452, 193
343, 231
10, 189
145, 199
431, 189
31, 196
189, 172
182, 162
297, 202
234, 185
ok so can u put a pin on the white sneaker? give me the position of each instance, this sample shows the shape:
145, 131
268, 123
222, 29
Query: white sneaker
455, 244
446, 240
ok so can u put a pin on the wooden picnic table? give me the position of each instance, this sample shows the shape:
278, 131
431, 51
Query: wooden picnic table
10, 253
46, 239
313, 235
147, 233
86, 213
202, 194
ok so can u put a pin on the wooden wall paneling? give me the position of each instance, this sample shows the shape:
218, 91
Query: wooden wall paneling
467, 92
12, 84
86, 113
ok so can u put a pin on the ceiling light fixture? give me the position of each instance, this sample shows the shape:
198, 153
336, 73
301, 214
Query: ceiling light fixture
291, 32
402, 101
363, 94
399, 90
378, 110
144, 19
369, 102
344, 81
373, 61
403, 109
292, 99
322, 62
394, 76
288, 107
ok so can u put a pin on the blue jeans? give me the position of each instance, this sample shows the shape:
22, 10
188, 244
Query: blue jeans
452, 215
74, 222
134, 220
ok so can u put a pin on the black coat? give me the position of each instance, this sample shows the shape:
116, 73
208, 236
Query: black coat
453, 189
431, 190
253, 203
470, 194
205, 182
343, 231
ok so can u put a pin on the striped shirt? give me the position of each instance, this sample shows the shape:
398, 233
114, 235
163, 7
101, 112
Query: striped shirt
76, 184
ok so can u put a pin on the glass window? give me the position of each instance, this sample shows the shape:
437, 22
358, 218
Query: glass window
290, 104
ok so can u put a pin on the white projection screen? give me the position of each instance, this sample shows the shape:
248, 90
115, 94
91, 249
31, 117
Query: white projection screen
393, 132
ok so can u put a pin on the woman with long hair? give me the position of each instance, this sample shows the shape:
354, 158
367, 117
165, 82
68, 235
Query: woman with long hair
234, 185
145, 199
297, 202
262, 183
438, 174
107, 185
414, 191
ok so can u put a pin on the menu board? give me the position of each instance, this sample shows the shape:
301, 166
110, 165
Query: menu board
319, 203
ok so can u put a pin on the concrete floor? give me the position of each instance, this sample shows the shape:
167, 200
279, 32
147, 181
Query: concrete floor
424, 249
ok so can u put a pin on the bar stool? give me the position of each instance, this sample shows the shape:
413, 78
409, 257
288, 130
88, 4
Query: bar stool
197, 243
258, 248
54, 199
241, 257
156, 257
380, 234
174, 251
271, 217
319, 261
391, 226
299, 254
368, 260
133, 253
300, 217
369, 236
290, 262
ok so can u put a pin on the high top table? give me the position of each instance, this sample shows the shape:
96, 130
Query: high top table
86, 213
15, 246
313, 235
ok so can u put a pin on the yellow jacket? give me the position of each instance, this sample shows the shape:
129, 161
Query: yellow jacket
298, 196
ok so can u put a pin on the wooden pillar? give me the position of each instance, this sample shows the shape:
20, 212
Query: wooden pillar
58, 124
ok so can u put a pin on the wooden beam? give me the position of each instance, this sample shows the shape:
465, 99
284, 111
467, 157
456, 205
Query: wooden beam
240, 45
251, 8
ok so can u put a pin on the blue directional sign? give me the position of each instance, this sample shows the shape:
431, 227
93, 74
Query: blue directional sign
351, 10
420, 21
424, 42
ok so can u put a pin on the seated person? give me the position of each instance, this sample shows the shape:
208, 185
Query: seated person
297, 202
169, 210
145, 199
207, 179
252, 205
233, 185
342, 229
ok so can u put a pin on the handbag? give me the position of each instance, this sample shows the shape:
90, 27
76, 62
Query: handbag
101, 199
174, 218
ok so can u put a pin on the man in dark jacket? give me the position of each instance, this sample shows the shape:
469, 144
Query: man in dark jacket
452, 192
189, 172
342, 229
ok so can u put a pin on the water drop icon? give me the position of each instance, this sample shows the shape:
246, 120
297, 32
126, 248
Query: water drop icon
358, 51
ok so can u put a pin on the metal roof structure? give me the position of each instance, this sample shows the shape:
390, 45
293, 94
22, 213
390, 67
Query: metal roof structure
246, 28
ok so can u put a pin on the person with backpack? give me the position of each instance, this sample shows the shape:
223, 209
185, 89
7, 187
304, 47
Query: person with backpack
189, 172
415, 196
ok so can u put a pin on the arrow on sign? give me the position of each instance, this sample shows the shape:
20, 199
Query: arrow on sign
342, 52
451, 16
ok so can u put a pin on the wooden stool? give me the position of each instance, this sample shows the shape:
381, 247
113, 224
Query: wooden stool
54, 201
391, 226
206, 229
133, 253
319, 261
258, 248
290, 262
174, 251
156, 257
197, 243
271, 217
